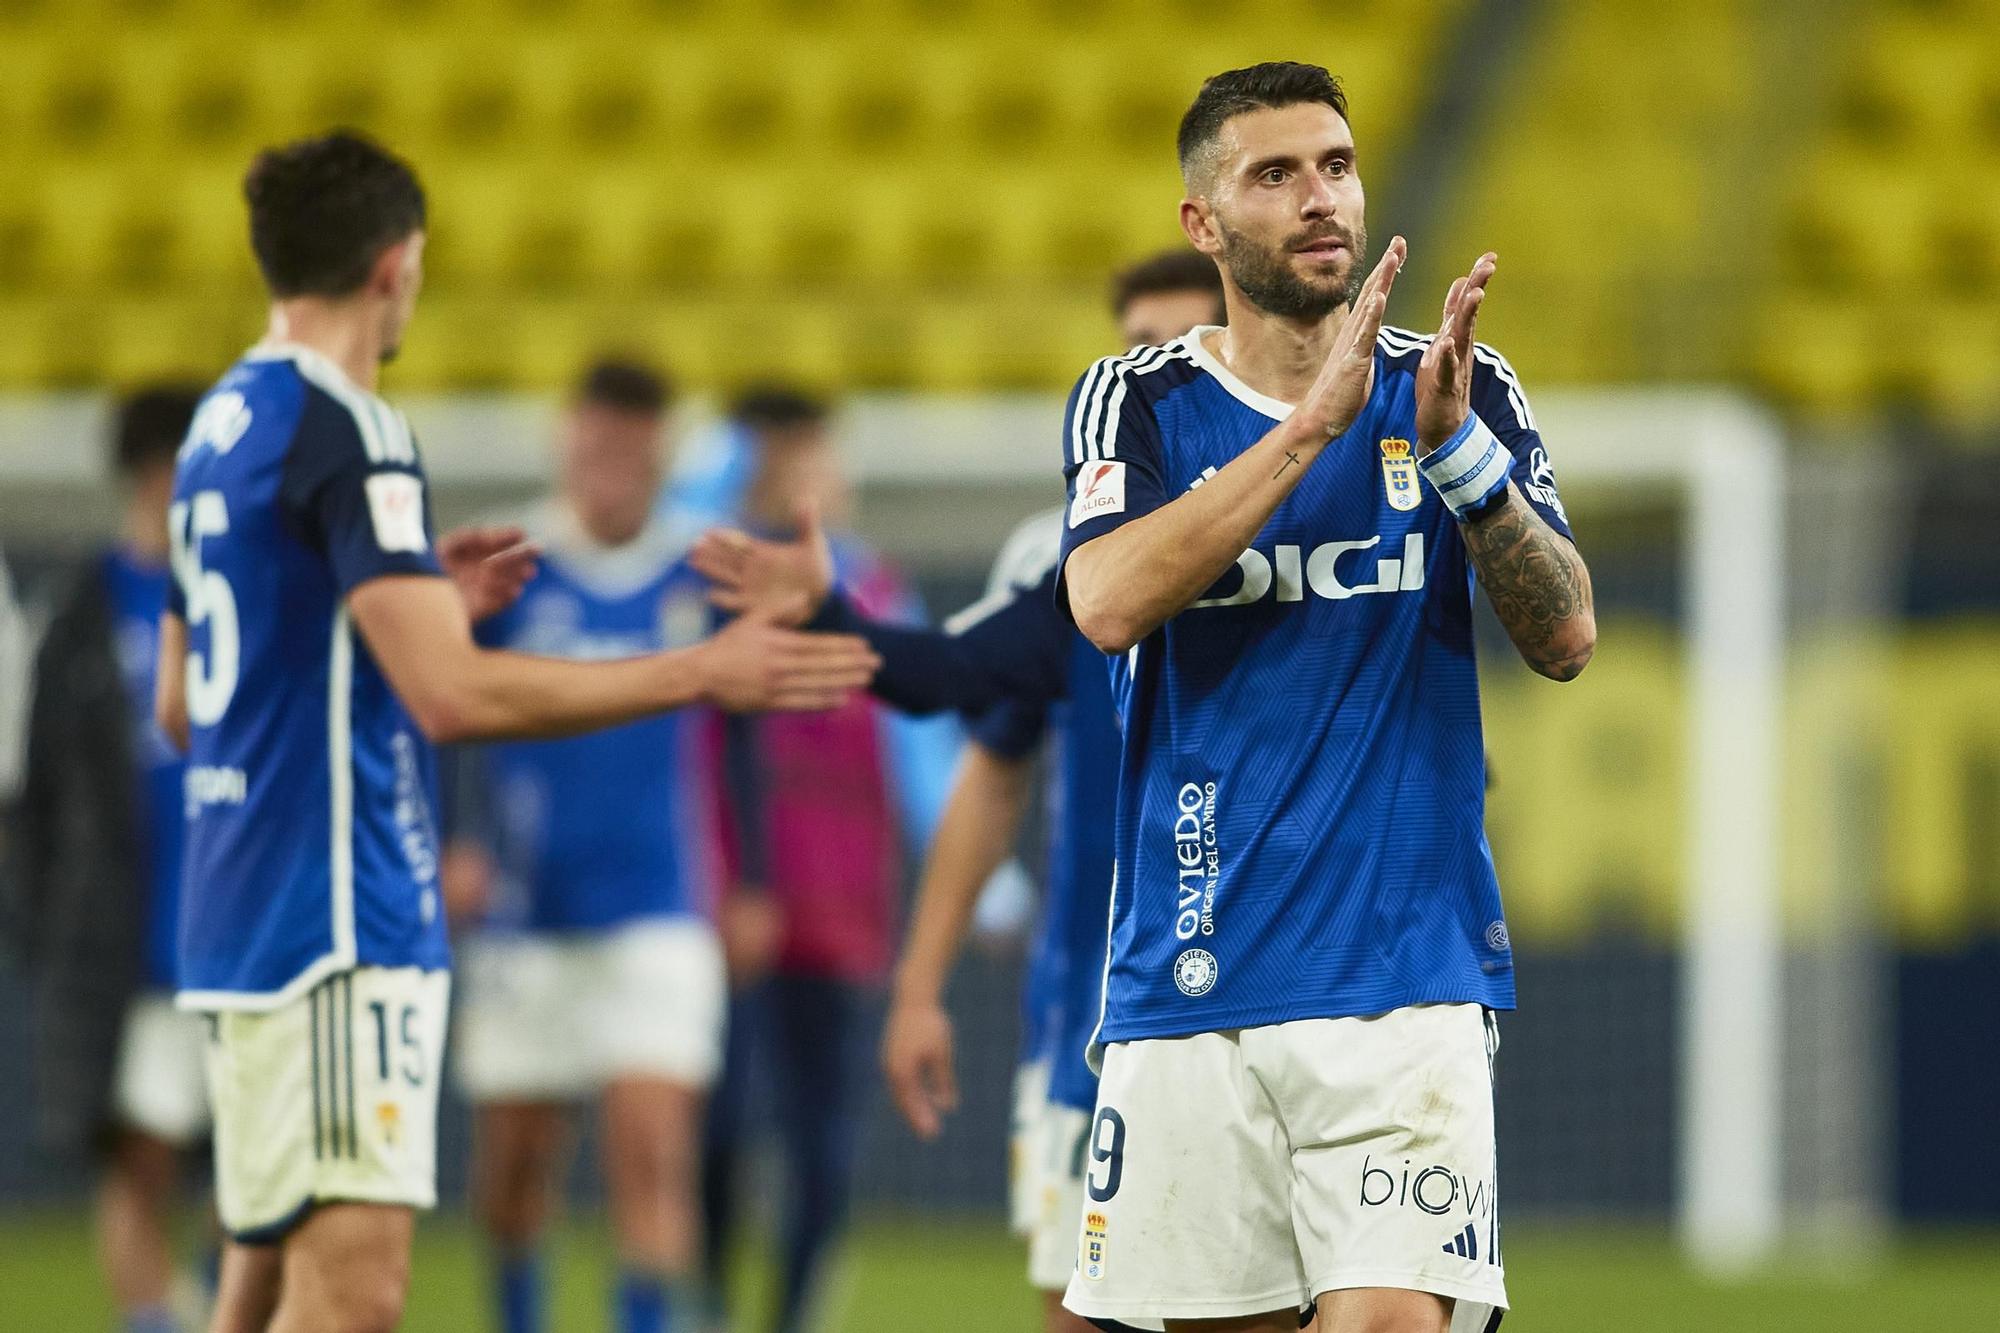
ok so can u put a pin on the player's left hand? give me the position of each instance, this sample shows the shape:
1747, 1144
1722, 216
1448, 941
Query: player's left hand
785, 581
490, 565
1444, 376
917, 1061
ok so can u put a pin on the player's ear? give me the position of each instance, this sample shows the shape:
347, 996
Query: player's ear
1198, 222
399, 267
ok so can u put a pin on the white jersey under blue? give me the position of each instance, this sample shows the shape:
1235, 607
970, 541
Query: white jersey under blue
1301, 806
311, 846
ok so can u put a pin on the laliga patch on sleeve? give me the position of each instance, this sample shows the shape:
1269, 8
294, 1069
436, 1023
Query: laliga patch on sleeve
1100, 490
396, 506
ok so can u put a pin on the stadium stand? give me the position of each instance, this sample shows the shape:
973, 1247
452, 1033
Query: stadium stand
785, 177
1839, 188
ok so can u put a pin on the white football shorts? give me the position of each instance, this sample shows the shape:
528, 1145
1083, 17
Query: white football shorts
331, 1098
1063, 1143
556, 1017
1024, 1159
1230, 1173
158, 1086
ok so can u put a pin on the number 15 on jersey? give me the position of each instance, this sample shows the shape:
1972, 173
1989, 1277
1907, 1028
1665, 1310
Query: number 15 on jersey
210, 602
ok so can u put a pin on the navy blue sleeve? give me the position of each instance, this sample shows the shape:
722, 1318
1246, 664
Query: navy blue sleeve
1111, 458
1499, 400
1012, 645
354, 491
1012, 729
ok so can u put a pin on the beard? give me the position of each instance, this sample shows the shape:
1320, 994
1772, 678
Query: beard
1266, 276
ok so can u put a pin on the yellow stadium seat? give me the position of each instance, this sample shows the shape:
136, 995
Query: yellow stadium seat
1821, 353
787, 184
1959, 369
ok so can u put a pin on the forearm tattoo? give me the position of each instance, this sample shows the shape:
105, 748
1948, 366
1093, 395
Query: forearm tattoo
1538, 586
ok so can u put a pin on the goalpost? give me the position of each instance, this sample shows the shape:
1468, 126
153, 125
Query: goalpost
1724, 459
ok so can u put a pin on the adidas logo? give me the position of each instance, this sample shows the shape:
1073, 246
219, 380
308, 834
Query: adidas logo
1465, 1244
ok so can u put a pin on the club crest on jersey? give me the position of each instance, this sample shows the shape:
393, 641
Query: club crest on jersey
1096, 1230
1399, 475
1194, 972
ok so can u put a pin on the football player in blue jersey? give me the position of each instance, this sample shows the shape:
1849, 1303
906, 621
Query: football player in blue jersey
1012, 656
316, 641
1055, 1091
1274, 528
94, 849
592, 968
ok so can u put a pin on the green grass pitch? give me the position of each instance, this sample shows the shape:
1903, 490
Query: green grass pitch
924, 1276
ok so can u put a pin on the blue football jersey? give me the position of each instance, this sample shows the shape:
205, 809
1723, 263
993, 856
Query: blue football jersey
1300, 828
591, 831
1074, 711
138, 594
310, 842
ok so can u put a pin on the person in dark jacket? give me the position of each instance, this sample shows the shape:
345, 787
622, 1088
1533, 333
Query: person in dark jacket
95, 848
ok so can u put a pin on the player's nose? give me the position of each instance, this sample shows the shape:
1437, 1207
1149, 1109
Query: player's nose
1321, 200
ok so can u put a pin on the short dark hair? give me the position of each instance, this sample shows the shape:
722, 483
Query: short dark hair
778, 406
625, 386
1275, 83
1177, 270
151, 423
323, 210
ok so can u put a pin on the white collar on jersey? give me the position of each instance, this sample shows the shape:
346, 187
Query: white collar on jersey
1274, 408
319, 365
608, 571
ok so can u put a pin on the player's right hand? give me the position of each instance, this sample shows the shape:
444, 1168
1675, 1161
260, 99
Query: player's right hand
917, 1060
1341, 390
785, 580
754, 665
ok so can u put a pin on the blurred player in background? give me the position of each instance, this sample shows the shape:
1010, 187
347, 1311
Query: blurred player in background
1274, 527
96, 847
312, 649
593, 970
1154, 302
825, 807
1013, 656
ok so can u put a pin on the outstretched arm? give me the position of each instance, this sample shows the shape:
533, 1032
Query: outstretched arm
418, 630
1010, 645
1532, 574
1017, 650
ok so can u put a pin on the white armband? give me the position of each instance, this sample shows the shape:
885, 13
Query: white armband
1468, 469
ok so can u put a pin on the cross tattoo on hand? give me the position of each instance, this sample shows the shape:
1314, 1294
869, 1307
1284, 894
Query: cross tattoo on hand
1290, 460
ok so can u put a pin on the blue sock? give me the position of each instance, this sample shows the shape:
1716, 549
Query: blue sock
520, 1288
643, 1303
154, 1319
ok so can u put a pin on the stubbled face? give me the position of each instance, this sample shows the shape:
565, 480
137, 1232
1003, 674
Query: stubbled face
1277, 200
406, 281
1161, 317
612, 464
